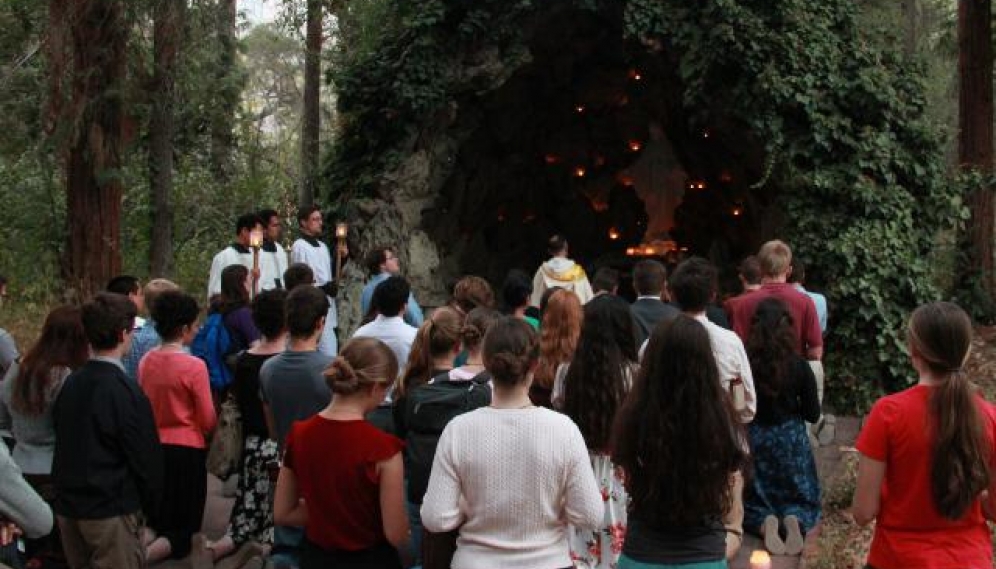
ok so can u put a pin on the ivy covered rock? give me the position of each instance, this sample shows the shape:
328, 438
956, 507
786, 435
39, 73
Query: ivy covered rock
480, 128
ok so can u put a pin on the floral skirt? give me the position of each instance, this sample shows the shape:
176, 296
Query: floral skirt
601, 548
252, 513
784, 481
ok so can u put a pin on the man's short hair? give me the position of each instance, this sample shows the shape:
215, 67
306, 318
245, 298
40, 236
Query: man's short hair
123, 284
750, 270
516, 290
298, 274
775, 258
247, 221
390, 296
269, 313
265, 215
154, 288
798, 274
605, 279
472, 291
304, 212
556, 244
693, 284
375, 258
648, 277
105, 317
305, 306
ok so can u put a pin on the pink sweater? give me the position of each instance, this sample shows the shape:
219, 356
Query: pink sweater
177, 385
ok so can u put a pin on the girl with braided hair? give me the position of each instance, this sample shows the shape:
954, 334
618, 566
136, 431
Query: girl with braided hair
342, 479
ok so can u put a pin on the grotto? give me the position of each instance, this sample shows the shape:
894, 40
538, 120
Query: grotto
468, 133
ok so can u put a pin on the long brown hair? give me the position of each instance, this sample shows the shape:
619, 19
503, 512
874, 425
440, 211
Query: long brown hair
62, 344
438, 336
940, 333
559, 334
676, 436
771, 346
600, 373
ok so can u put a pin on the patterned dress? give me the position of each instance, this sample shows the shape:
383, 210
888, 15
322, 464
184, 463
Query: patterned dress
601, 548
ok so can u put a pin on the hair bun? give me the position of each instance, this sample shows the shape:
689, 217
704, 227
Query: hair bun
341, 376
507, 366
471, 334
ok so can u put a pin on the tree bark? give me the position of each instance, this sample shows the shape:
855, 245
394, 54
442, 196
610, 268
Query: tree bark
167, 34
311, 121
93, 179
911, 22
228, 90
975, 139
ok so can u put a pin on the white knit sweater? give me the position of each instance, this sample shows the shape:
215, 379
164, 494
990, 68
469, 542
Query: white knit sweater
511, 480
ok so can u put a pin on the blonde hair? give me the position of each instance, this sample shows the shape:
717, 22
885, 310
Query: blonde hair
154, 288
775, 258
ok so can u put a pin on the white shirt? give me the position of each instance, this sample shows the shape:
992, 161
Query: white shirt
393, 331
320, 261
732, 361
227, 257
511, 480
271, 267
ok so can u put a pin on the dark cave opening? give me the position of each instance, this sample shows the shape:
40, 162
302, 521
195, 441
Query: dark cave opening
592, 140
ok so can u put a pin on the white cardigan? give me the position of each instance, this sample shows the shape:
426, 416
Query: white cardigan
511, 480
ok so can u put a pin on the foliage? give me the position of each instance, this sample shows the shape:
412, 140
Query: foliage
860, 171
32, 184
856, 164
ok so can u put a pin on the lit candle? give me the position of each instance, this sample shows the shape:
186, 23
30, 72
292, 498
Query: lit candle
579, 172
759, 559
340, 230
635, 75
613, 233
579, 109
256, 238
737, 211
635, 145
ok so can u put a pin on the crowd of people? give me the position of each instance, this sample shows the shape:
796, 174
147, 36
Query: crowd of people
551, 425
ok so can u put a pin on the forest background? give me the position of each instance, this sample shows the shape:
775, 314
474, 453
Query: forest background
221, 113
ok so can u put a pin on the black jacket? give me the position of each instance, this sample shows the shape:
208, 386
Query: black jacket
108, 460
647, 313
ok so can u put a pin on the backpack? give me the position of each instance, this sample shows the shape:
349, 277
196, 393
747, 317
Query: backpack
428, 410
212, 344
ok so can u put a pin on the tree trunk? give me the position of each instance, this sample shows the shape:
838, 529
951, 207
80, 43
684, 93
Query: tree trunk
93, 178
975, 140
311, 122
911, 23
167, 34
228, 91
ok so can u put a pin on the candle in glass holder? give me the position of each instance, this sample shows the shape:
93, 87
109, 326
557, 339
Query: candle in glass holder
256, 238
340, 230
759, 559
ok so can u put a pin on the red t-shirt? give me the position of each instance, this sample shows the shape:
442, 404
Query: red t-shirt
335, 463
741, 309
909, 531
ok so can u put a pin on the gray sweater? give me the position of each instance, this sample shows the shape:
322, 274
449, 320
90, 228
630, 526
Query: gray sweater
35, 434
19, 502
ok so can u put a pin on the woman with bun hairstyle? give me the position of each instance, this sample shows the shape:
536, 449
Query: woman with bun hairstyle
472, 340
559, 332
342, 479
511, 476
680, 446
926, 470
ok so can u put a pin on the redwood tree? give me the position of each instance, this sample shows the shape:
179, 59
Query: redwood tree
975, 140
167, 33
311, 120
87, 52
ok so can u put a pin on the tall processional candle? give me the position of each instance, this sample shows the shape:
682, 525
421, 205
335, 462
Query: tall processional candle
256, 242
341, 229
